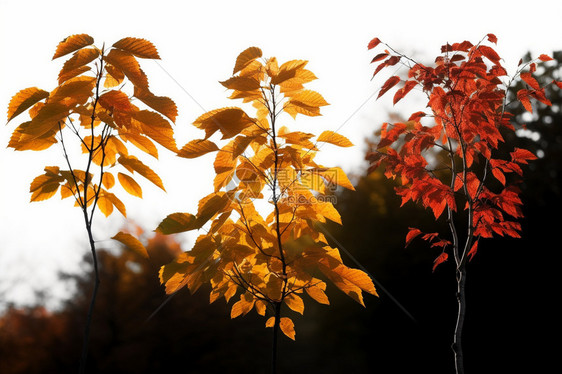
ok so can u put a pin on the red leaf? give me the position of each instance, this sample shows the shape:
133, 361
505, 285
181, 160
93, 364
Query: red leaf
472, 251
528, 78
404, 91
492, 38
523, 97
411, 235
559, 84
440, 259
391, 82
489, 53
373, 43
544, 57
521, 156
416, 116
379, 57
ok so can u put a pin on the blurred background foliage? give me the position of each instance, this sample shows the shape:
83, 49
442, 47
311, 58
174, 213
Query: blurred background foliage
511, 296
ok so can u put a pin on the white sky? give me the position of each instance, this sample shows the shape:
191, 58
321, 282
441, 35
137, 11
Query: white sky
198, 43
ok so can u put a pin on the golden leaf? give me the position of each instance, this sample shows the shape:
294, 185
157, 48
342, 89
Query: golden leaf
25, 99
135, 164
130, 185
177, 222
246, 57
138, 47
197, 147
78, 60
295, 302
230, 121
288, 327
157, 128
131, 242
73, 43
288, 70
162, 104
108, 180
126, 63
334, 138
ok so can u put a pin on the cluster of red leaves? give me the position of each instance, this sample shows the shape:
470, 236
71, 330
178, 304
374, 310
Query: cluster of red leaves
466, 96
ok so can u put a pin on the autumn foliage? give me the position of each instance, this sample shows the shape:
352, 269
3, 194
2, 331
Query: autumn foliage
90, 105
466, 93
448, 159
260, 243
90, 113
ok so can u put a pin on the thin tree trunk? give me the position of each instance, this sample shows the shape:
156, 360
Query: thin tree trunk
461, 299
86, 340
275, 335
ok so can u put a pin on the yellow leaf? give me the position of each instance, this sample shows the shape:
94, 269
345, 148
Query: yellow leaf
173, 275
309, 98
223, 160
336, 176
73, 73
105, 205
131, 243
116, 202
241, 84
295, 302
334, 138
177, 222
288, 327
260, 306
161, 104
116, 100
246, 57
196, 148
243, 306
78, 60
141, 142
25, 99
211, 205
74, 91
138, 47
157, 128
73, 43
130, 185
113, 76
288, 70
45, 121
126, 63
46, 185
137, 165
317, 293
230, 122
108, 180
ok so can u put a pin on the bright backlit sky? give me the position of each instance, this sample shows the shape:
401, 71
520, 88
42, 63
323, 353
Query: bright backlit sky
198, 43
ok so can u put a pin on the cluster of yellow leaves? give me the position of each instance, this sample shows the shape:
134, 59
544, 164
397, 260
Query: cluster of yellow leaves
278, 258
90, 103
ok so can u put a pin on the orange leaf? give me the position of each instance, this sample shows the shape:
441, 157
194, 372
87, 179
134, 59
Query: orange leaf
288, 327
130, 185
411, 235
530, 80
440, 259
138, 47
197, 147
373, 43
545, 58
489, 53
391, 82
246, 57
25, 99
73, 43
131, 242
